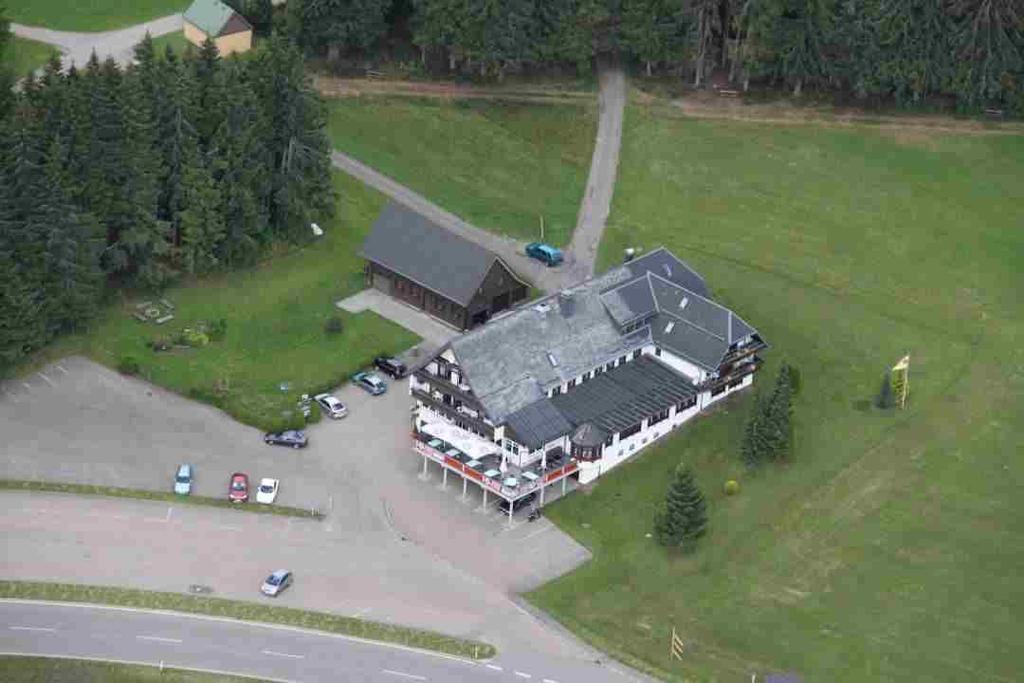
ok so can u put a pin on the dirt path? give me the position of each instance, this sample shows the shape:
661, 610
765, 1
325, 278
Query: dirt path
331, 86
711, 106
76, 47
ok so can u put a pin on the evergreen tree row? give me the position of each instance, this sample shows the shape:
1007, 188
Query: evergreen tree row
133, 177
768, 435
971, 50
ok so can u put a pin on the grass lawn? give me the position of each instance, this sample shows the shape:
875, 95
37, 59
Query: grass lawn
500, 166
94, 15
15, 669
28, 55
275, 316
889, 548
247, 611
176, 41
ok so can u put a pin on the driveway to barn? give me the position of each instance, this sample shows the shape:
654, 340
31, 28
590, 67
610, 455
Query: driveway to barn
581, 254
393, 546
76, 47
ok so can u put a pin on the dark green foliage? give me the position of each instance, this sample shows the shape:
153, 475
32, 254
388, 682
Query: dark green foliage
6, 72
333, 325
217, 330
886, 398
128, 365
754, 448
768, 434
683, 517
112, 176
795, 382
336, 26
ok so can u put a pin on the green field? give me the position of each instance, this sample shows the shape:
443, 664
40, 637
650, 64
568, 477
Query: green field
889, 548
500, 166
28, 55
176, 41
94, 15
275, 314
45, 670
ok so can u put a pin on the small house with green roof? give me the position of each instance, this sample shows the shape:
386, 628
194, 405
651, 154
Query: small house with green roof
212, 18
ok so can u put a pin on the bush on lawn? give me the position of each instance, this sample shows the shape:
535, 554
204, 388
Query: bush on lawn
333, 325
128, 365
732, 487
217, 329
193, 338
314, 413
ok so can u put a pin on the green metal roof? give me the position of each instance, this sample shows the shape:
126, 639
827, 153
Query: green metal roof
209, 16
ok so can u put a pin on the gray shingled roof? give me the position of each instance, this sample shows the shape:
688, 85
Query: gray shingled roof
537, 424
411, 245
516, 358
625, 395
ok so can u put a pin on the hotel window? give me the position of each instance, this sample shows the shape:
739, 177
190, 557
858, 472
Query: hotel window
658, 417
572, 383
609, 440
586, 376
688, 403
629, 431
556, 391
657, 350
636, 354
622, 359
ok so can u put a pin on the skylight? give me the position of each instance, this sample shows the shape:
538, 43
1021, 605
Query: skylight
552, 360
671, 324
682, 304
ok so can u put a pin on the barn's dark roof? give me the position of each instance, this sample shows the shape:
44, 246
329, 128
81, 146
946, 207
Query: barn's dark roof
411, 245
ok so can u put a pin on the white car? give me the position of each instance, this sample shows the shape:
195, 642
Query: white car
266, 492
331, 406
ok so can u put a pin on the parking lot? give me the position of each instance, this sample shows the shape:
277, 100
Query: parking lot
77, 421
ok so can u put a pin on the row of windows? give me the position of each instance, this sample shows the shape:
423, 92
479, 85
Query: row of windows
598, 370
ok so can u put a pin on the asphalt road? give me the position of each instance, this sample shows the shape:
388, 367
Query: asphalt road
76, 47
223, 645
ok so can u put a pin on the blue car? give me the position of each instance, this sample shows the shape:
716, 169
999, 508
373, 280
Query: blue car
545, 253
370, 383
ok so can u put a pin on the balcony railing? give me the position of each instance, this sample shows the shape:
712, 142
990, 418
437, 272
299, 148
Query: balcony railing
451, 412
732, 374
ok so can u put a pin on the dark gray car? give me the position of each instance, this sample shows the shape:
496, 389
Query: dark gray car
293, 437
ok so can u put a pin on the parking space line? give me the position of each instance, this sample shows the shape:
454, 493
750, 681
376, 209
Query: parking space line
413, 677
550, 680
168, 518
27, 385
46, 379
228, 527
494, 666
538, 532
522, 675
40, 629
61, 368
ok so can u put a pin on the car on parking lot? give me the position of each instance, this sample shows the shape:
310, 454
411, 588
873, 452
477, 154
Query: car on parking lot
331, 406
238, 489
291, 437
521, 504
545, 253
266, 492
275, 584
183, 480
370, 382
392, 367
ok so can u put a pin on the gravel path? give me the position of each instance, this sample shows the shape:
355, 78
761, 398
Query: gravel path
76, 47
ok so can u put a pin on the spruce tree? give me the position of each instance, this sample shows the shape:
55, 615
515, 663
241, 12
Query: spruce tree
779, 416
683, 518
754, 448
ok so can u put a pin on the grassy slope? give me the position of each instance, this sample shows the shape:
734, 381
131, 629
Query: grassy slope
44, 670
28, 55
499, 166
93, 15
889, 549
275, 312
177, 41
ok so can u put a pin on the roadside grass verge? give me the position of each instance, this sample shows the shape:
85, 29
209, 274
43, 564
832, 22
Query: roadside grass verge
275, 337
247, 611
95, 15
164, 496
501, 166
887, 547
26, 55
25, 669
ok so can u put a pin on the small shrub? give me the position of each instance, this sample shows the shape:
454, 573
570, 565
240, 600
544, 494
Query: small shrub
315, 414
194, 338
731, 488
128, 365
217, 329
333, 325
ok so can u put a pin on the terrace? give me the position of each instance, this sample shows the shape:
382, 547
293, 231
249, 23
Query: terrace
480, 461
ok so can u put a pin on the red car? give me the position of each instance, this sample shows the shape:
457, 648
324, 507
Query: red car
238, 489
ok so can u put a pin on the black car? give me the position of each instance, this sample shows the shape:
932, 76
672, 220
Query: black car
391, 367
292, 437
521, 504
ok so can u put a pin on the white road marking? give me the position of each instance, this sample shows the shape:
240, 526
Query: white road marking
494, 666
41, 629
27, 385
159, 639
61, 368
46, 379
282, 654
550, 680
522, 675
403, 675
228, 527
168, 518
538, 532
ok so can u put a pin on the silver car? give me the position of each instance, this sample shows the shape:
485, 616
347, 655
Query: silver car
331, 406
276, 583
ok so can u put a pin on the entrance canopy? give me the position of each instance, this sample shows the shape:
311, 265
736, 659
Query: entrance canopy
470, 444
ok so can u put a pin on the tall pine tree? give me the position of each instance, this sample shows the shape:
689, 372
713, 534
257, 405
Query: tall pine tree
683, 517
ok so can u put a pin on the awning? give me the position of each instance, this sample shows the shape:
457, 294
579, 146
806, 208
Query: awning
470, 444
